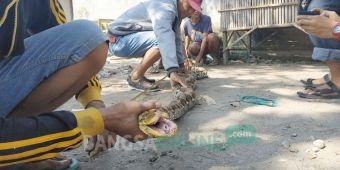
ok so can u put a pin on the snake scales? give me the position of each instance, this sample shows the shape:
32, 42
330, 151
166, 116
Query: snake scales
184, 99
158, 123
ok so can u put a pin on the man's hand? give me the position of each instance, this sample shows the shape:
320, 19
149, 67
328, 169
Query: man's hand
122, 118
102, 142
199, 59
96, 104
187, 55
329, 14
185, 67
319, 25
175, 78
187, 64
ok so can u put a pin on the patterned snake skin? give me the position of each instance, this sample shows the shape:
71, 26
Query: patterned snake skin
184, 99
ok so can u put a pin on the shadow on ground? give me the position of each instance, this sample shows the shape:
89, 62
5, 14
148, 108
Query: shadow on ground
205, 138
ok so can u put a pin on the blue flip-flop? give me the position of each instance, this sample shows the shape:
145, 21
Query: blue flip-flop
259, 101
74, 165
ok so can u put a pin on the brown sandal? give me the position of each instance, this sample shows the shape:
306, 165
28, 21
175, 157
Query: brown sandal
309, 82
142, 85
331, 92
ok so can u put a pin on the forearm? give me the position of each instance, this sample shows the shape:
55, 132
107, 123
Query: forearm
179, 49
202, 48
186, 45
168, 53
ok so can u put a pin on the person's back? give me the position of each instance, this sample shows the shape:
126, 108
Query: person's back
141, 16
150, 29
133, 19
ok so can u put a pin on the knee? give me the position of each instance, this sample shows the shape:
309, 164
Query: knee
97, 57
194, 49
213, 39
84, 30
90, 36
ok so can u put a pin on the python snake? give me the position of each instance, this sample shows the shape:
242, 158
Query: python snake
159, 122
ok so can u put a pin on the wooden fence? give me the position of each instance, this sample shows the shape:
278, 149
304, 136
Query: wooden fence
248, 15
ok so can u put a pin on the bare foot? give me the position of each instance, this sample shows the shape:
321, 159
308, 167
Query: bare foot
319, 81
59, 162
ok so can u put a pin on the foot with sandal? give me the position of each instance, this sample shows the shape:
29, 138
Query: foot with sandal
312, 83
323, 88
323, 30
142, 84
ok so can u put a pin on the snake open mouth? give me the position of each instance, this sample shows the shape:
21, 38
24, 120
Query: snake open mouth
156, 123
164, 126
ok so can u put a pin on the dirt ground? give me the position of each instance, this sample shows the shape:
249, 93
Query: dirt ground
223, 133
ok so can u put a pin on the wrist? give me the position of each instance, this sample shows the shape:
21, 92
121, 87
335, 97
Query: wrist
109, 117
173, 73
172, 70
96, 104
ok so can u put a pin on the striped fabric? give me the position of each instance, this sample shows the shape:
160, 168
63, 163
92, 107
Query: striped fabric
90, 92
51, 134
58, 11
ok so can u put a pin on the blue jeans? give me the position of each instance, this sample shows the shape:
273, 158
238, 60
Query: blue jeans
325, 49
133, 45
45, 53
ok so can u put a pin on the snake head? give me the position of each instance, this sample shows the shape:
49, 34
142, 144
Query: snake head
156, 123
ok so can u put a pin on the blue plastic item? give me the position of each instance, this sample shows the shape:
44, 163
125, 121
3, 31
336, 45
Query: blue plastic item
259, 101
74, 165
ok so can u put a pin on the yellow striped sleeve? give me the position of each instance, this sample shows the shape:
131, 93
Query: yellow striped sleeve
38, 140
63, 144
43, 157
39, 148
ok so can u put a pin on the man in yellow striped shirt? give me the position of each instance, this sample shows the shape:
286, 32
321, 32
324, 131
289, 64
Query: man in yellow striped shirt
43, 63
